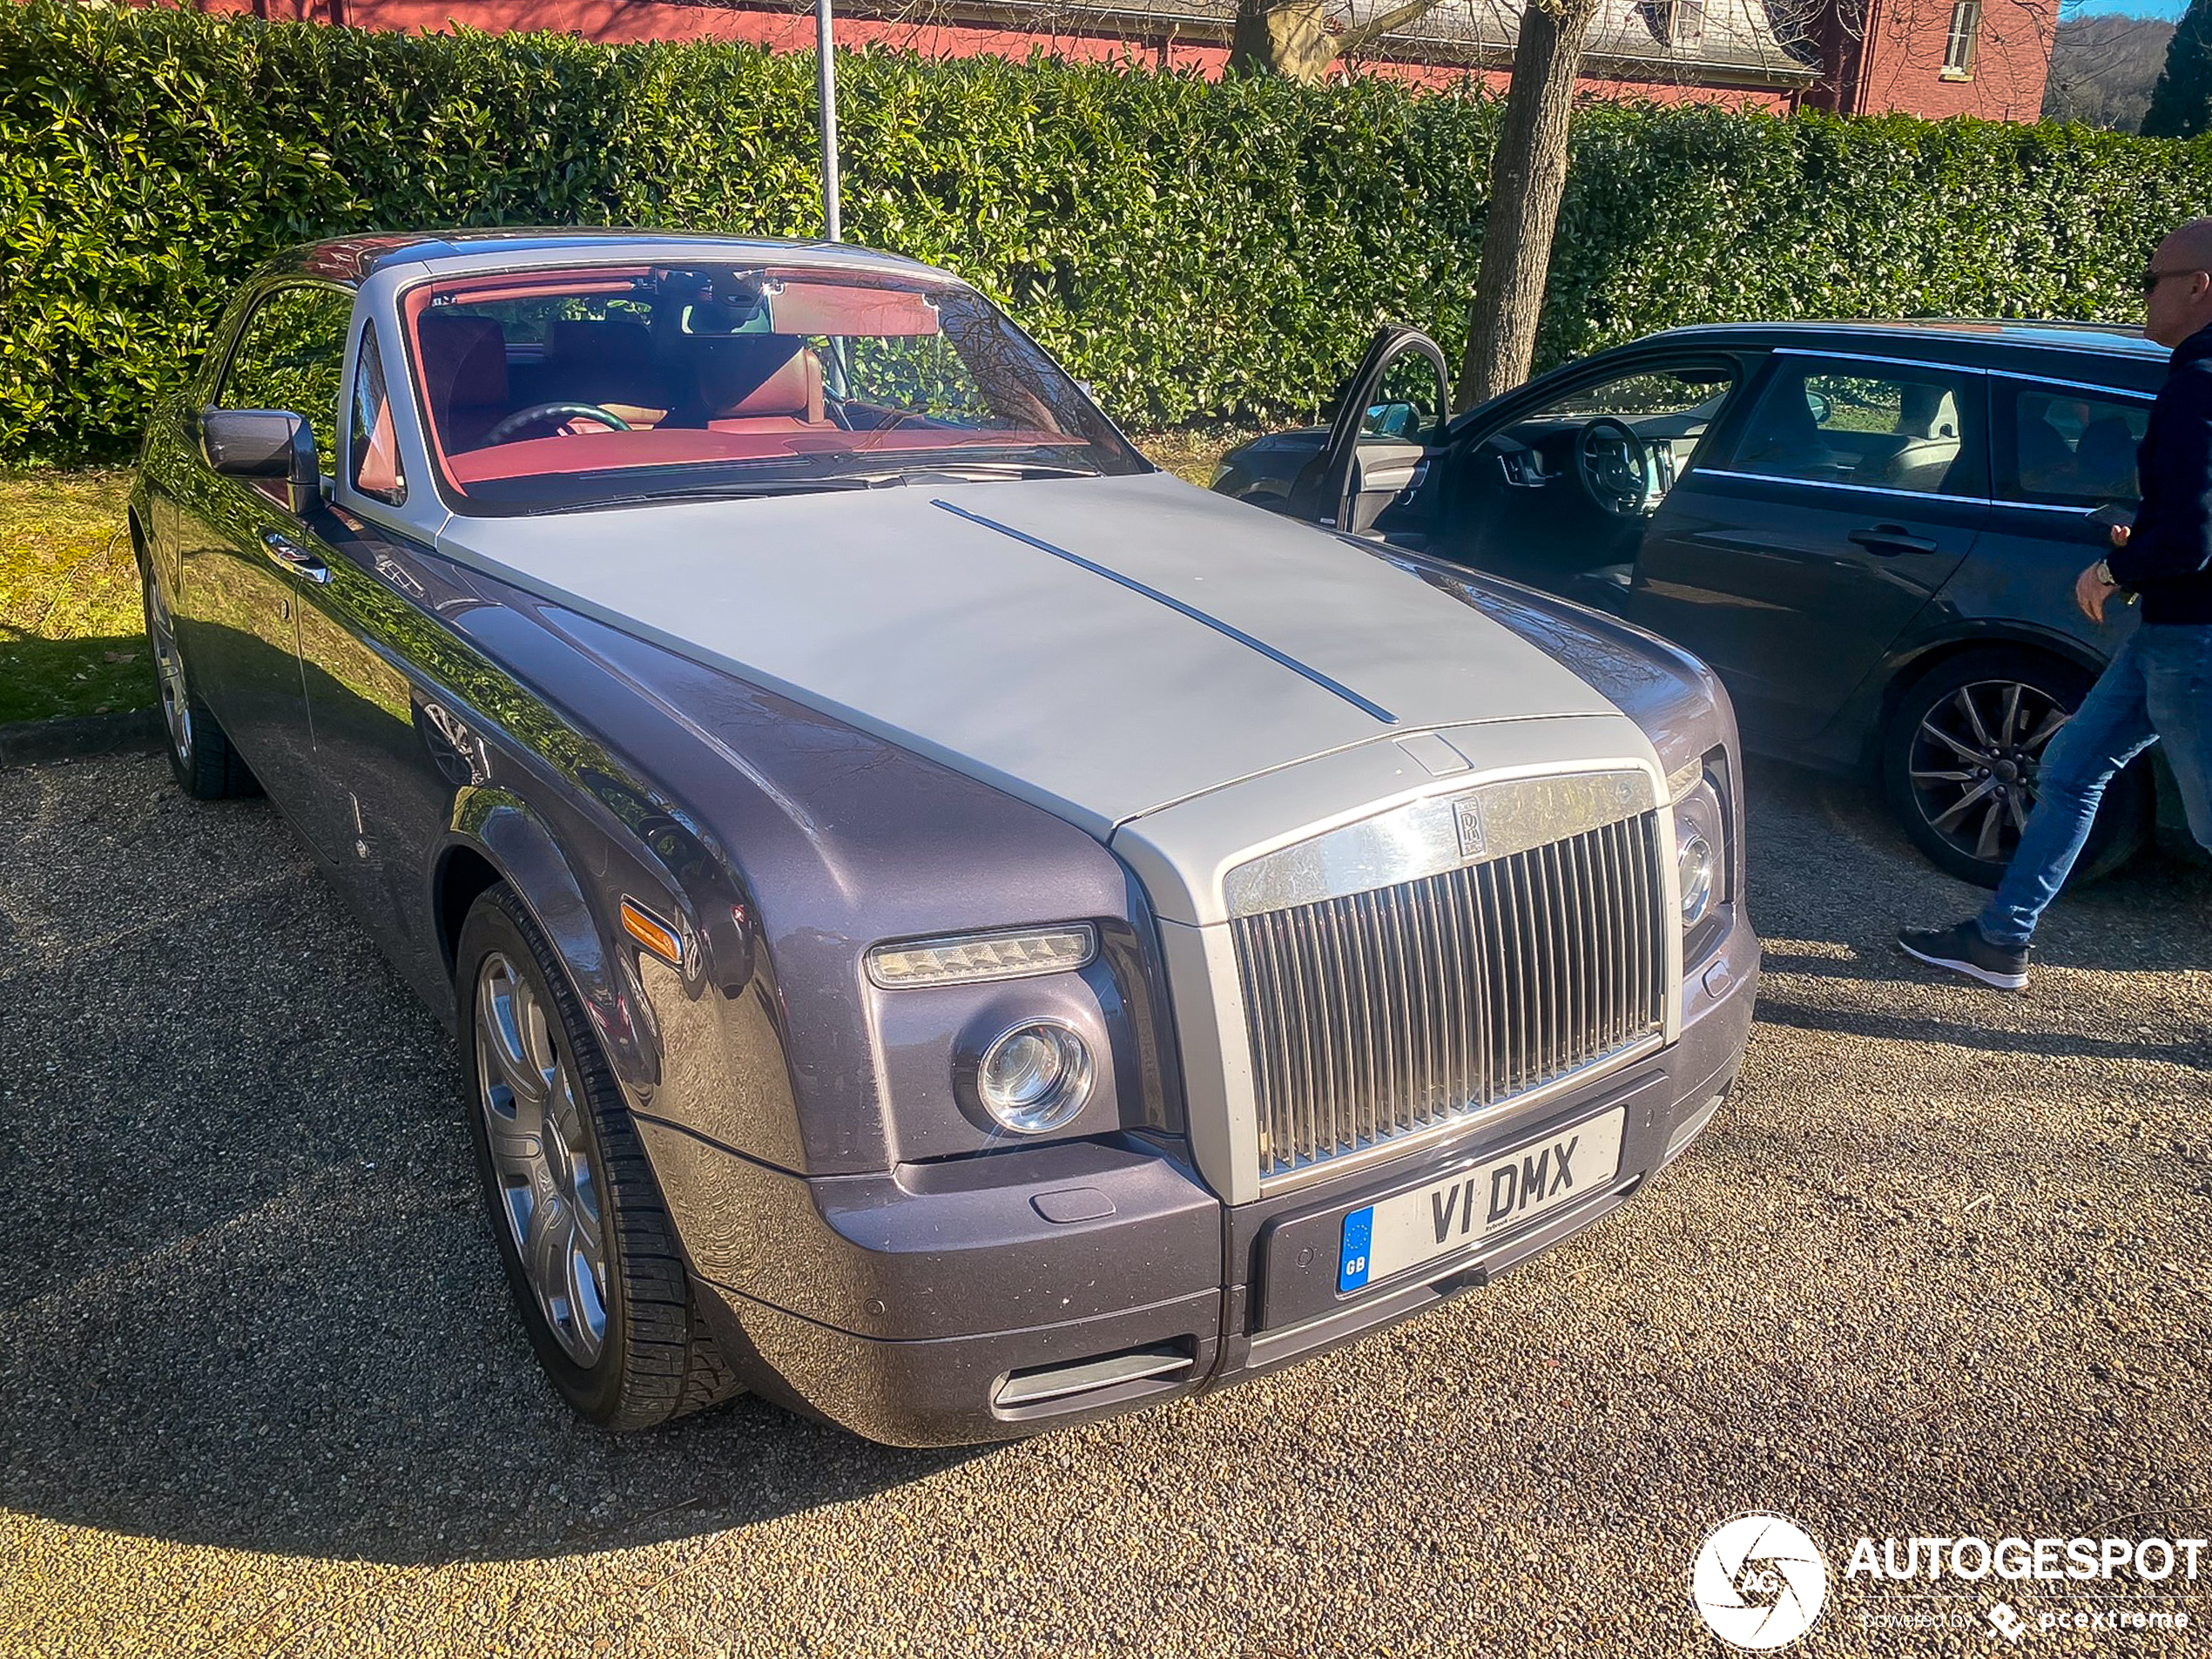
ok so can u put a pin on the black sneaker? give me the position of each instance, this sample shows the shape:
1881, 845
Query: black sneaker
1963, 950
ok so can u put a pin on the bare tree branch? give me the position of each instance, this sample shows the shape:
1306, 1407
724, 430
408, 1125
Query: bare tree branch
1353, 39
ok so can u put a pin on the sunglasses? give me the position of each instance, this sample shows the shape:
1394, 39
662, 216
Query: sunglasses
2152, 279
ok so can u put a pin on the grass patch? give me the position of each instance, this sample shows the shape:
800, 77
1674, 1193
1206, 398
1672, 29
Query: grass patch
71, 637
1192, 452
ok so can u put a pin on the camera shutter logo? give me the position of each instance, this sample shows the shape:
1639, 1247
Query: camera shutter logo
1758, 1581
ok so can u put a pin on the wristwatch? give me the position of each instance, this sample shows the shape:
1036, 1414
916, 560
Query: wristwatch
2104, 574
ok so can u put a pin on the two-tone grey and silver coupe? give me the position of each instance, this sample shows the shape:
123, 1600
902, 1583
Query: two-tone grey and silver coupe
947, 926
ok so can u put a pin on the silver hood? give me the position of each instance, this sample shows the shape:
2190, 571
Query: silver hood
1103, 647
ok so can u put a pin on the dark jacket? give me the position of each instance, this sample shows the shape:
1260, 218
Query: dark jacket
2169, 558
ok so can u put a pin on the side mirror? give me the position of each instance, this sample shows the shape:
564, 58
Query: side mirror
267, 445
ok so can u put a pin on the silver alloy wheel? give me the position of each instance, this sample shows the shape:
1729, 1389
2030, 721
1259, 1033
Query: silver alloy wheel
169, 669
531, 1099
1974, 760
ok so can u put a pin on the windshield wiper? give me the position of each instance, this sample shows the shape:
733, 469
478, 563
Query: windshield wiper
969, 469
719, 492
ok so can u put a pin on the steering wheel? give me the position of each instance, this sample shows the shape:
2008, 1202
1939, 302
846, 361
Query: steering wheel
555, 415
1613, 463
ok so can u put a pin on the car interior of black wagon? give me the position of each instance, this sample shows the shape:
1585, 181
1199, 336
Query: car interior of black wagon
587, 386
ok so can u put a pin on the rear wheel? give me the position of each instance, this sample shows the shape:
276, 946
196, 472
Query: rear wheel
200, 755
590, 1255
1961, 755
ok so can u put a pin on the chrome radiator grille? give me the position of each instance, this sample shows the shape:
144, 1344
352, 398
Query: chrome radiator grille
1385, 1012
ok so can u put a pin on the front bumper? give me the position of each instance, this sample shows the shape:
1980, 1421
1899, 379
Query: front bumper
990, 1299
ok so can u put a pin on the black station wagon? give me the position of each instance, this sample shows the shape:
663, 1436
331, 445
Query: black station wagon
1870, 530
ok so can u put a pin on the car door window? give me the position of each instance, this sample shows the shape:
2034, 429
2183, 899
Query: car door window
290, 355
2063, 447
1672, 409
1408, 402
1895, 427
372, 456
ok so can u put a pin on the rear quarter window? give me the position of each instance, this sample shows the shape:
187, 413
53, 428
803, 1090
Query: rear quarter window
2064, 446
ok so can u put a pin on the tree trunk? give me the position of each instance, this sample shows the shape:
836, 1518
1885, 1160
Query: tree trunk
1528, 178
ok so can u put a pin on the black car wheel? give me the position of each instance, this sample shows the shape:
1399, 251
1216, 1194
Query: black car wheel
200, 755
1961, 754
590, 1255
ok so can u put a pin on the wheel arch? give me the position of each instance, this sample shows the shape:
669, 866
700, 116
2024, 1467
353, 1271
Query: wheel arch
1908, 667
493, 836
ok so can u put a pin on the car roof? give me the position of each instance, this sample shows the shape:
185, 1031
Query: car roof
351, 259
1962, 339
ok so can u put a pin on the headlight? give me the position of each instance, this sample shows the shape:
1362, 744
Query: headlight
1034, 1077
1696, 863
967, 959
1701, 852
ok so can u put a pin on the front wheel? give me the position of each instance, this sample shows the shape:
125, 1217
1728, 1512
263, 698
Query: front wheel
1962, 753
590, 1255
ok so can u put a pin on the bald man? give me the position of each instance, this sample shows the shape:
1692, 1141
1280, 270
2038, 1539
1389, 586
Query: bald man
2159, 686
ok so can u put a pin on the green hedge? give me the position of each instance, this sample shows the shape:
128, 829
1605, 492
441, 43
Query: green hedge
1194, 250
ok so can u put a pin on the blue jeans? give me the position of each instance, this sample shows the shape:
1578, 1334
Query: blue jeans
2158, 687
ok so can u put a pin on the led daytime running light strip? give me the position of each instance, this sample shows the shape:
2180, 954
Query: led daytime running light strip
967, 959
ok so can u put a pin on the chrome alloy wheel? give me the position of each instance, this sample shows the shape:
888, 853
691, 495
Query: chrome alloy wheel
1974, 760
531, 1099
169, 669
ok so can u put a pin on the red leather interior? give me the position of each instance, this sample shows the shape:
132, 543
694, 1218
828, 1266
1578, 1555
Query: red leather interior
790, 400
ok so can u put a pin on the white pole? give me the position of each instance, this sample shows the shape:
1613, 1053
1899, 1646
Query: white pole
825, 75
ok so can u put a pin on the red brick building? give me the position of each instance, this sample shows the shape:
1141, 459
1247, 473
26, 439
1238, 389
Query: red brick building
1932, 57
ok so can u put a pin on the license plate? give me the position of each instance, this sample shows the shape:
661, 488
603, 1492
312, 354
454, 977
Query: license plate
1449, 1215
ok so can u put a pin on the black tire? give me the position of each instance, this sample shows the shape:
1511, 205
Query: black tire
1935, 722
654, 1358
205, 764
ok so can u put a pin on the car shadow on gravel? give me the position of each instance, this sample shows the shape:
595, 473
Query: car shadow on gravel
335, 1371
1876, 1025
247, 1294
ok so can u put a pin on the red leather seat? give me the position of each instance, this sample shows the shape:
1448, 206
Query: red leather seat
790, 400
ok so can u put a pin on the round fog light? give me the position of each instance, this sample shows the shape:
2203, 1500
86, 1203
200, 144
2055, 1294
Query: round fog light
1694, 863
1036, 1077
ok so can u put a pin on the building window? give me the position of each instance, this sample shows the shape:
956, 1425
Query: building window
1959, 48
1673, 22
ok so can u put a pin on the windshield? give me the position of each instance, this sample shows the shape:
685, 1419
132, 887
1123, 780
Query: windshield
588, 386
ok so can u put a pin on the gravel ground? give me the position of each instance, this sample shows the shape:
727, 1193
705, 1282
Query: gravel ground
1940, 1267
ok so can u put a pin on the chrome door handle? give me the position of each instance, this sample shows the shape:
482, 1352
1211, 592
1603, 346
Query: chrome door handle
1889, 540
293, 556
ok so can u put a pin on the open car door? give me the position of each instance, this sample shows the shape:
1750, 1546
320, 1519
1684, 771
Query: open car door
1389, 422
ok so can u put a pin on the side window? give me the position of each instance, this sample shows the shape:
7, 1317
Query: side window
2067, 448
1408, 403
291, 356
1667, 394
373, 459
1886, 426
1670, 409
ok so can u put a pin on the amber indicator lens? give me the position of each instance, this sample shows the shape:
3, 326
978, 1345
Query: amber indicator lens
652, 933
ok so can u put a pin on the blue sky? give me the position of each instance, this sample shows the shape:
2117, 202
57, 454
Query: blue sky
2167, 9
